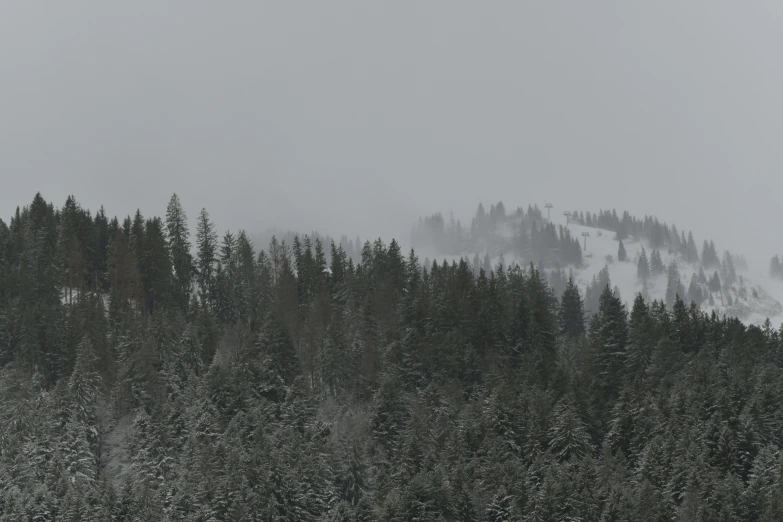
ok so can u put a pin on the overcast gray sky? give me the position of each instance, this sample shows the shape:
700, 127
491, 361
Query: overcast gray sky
358, 116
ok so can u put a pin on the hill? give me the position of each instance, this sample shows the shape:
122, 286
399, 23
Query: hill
587, 246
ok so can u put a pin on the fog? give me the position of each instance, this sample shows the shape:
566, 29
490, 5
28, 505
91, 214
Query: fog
359, 116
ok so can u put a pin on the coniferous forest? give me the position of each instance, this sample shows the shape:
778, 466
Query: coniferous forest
149, 374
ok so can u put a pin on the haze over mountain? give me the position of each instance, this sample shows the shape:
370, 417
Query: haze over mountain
166, 358
279, 115
631, 254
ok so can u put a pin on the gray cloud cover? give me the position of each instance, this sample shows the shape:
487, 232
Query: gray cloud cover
358, 116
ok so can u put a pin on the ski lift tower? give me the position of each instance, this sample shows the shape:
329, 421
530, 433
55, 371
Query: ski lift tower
585, 234
567, 215
548, 207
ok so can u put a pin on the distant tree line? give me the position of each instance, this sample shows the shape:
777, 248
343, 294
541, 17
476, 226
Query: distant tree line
525, 233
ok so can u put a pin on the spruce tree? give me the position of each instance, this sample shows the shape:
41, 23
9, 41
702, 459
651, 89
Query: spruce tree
155, 266
643, 267
206, 241
640, 339
674, 285
705, 254
693, 252
572, 313
178, 235
715, 284
775, 267
621, 254
569, 436
728, 272
98, 262
694, 291
656, 263
226, 281
609, 337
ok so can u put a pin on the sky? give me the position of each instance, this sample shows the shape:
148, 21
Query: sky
358, 116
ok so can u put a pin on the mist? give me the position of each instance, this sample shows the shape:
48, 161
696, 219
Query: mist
357, 117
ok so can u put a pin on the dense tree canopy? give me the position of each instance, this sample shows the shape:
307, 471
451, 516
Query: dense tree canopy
304, 382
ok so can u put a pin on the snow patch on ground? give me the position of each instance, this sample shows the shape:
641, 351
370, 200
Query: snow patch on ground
602, 248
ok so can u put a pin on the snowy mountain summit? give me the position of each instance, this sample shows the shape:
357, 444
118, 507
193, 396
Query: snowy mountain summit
631, 255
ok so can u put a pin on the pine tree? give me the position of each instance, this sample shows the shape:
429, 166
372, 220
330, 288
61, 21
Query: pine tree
621, 254
656, 263
155, 266
226, 299
84, 383
572, 312
715, 284
640, 339
674, 285
275, 360
643, 267
693, 251
124, 278
543, 323
499, 510
775, 267
178, 235
728, 273
609, 336
206, 240
570, 439
694, 291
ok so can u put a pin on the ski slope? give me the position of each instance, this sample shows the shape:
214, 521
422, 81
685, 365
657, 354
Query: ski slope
602, 250
760, 299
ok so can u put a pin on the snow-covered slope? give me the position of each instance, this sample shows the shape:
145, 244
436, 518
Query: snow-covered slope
751, 300
754, 297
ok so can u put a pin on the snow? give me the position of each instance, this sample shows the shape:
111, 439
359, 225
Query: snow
602, 243
602, 250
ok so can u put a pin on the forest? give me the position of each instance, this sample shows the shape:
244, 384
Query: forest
149, 374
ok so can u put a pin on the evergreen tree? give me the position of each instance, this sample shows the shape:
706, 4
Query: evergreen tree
124, 278
621, 254
715, 284
609, 336
693, 251
275, 361
206, 240
694, 291
155, 265
572, 313
99, 251
226, 300
640, 339
643, 267
674, 285
775, 267
728, 273
656, 263
570, 439
178, 236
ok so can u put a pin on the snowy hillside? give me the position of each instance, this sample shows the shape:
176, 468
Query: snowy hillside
751, 297
751, 300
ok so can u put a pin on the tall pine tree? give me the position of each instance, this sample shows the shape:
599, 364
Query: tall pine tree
179, 249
